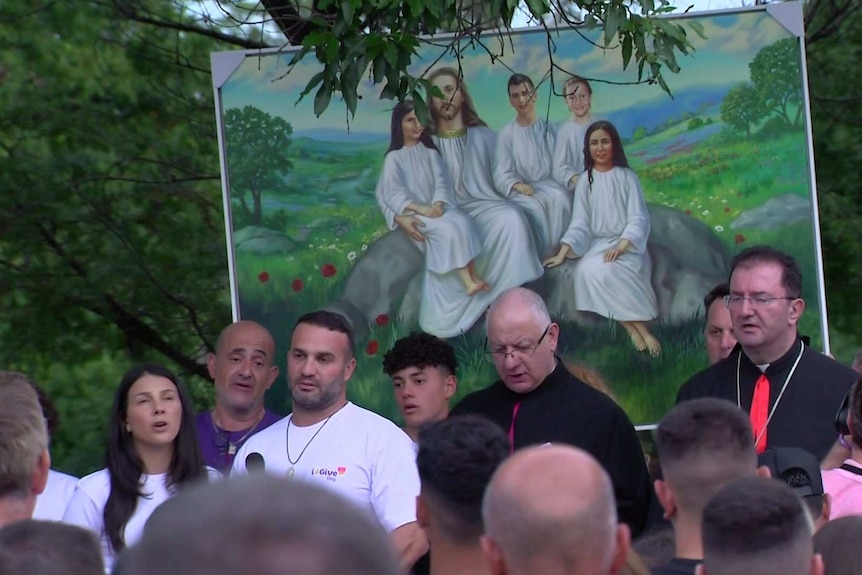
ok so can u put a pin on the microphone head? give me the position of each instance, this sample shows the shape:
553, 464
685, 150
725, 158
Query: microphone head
254, 462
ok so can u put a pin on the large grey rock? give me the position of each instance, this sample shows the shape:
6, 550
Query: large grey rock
263, 241
776, 213
688, 261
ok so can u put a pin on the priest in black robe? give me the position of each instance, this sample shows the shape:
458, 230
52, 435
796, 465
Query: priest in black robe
805, 387
538, 401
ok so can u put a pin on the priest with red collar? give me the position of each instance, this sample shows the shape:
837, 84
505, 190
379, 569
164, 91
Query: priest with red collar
791, 392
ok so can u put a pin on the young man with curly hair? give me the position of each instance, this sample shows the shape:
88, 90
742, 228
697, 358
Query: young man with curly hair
423, 373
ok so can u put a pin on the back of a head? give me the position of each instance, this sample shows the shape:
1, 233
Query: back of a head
552, 508
456, 459
49, 548
259, 524
23, 435
838, 543
703, 445
800, 470
757, 526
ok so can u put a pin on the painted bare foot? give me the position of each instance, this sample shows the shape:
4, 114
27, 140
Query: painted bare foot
476, 287
652, 345
636, 338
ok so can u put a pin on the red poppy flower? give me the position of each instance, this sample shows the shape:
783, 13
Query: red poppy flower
328, 270
688, 212
726, 209
382, 320
263, 277
739, 238
372, 347
296, 285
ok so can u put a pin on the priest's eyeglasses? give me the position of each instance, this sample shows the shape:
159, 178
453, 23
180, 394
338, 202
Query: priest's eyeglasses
517, 350
757, 301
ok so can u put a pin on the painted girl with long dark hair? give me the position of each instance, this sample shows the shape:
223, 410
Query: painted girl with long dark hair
608, 234
414, 182
152, 452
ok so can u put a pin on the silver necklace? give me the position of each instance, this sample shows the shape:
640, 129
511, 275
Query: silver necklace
292, 470
780, 393
233, 446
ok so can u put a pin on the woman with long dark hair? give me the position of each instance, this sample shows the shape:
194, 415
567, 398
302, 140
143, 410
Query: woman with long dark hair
414, 182
152, 451
609, 231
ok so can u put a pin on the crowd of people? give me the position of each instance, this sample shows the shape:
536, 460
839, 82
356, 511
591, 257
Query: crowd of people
540, 472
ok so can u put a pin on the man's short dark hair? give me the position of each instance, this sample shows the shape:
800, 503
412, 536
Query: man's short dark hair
32, 547
716, 293
756, 526
518, 79
456, 459
791, 276
419, 349
702, 445
838, 543
333, 322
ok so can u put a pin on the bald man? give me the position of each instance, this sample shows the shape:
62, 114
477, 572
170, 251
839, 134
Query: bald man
551, 510
243, 370
536, 400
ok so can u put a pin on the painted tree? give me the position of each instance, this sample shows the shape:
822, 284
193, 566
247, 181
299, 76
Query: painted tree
257, 147
741, 108
775, 76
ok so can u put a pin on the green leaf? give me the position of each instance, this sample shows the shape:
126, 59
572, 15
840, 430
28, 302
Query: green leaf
538, 8
347, 10
390, 90
612, 24
379, 68
315, 80
321, 100
627, 51
698, 29
348, 91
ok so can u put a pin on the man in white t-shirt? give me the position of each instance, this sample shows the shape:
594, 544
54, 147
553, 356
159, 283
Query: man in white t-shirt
331, 442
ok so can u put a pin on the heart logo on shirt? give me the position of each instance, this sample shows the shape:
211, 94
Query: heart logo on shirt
342, 470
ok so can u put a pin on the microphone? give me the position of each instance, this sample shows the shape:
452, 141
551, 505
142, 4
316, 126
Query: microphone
254, 463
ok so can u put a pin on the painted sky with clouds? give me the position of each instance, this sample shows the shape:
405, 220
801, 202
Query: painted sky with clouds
733, 38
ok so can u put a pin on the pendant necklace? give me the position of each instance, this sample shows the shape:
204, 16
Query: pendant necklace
780, 393
233, 446
291, 471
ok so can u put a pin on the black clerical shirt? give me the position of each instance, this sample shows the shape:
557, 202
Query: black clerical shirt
564, 409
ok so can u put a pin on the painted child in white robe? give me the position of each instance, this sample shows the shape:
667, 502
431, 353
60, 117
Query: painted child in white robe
414, 182
608, 233
524, 167
569, 145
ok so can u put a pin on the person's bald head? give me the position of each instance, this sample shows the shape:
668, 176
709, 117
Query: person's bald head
552, 510
242, 366
521, 338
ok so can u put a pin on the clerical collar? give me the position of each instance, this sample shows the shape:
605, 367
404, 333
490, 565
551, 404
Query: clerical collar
779, 364
450, 134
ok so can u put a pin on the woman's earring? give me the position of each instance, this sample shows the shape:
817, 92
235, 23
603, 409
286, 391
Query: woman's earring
128, 429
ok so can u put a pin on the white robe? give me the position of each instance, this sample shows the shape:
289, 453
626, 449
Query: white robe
509, 256
525, 154
613, 209
569, 150
417, 174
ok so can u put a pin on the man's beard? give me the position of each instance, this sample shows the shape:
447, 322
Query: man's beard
448, 112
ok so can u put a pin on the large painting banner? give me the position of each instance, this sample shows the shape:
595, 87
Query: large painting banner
402, 221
